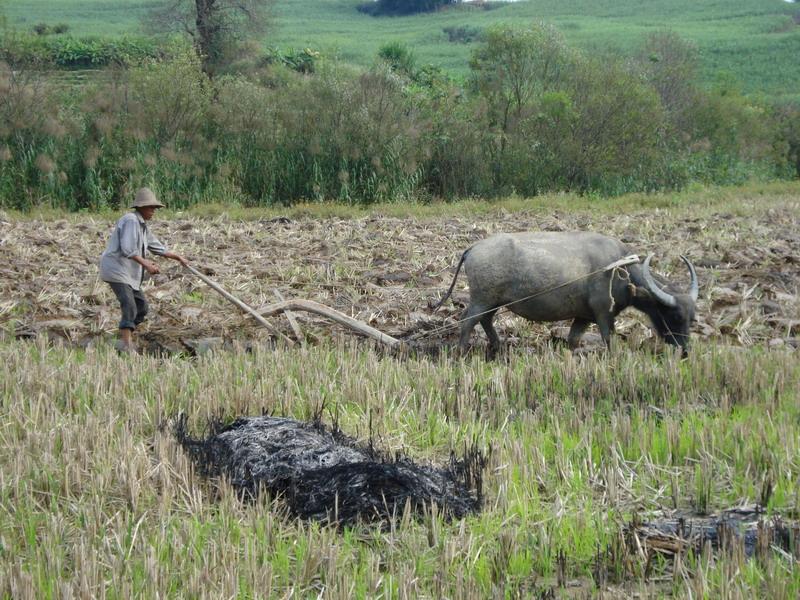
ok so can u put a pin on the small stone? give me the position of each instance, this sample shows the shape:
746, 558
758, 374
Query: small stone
724, 296
708, 262
189, 313
768, 307
59, 324
203, 345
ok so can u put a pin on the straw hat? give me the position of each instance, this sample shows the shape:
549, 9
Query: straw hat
146, 197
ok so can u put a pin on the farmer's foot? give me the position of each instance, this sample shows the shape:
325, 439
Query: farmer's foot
125, 347
125, 344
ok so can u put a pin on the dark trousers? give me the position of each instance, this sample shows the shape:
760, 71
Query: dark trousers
133, 304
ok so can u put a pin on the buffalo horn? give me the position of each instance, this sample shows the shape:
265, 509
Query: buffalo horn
694, 288
652, 286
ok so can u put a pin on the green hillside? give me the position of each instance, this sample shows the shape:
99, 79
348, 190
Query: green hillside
755, 40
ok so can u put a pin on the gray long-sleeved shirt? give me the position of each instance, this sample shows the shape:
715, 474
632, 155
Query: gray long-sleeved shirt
131, 237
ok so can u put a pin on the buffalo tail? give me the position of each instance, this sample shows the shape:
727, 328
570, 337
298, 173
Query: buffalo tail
453, 284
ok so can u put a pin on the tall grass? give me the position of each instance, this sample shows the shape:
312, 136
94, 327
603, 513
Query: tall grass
97, 499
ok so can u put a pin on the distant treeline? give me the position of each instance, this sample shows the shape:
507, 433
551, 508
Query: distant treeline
403, 7
535, 116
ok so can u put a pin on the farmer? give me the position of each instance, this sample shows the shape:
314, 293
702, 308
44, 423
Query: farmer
124, 262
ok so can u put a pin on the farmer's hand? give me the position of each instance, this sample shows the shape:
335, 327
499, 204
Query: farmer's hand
178, 257
151, 267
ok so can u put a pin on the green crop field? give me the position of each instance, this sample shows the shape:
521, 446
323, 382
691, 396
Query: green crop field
756, 41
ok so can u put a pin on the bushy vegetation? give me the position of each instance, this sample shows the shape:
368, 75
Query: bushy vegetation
755, 40
463, 34
536, 116
66, 51
45, 29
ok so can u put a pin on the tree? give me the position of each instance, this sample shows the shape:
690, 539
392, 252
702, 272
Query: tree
216, 27
511, 70
515, 65
669, 64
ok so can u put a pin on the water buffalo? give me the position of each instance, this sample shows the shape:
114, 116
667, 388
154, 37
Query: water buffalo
550, 276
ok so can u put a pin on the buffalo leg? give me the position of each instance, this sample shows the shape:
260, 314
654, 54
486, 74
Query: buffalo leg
494, 339
579, 326
471, 317
605, 323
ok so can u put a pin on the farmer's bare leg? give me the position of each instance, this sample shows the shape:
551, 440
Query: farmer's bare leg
126, 339
131, 303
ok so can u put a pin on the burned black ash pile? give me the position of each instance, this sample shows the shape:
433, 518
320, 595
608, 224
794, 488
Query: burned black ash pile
324, 475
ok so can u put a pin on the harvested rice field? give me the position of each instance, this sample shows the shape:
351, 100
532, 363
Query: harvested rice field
622, 473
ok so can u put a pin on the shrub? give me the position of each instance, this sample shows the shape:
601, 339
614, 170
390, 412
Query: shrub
669, 65
787, 142
45, 29
455, 144
342, 135
463, 34
399, 57
536, 117
302, 61
612, 143
731, 137
77, 52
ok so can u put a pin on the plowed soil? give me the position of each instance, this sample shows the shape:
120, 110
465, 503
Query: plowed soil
384, 271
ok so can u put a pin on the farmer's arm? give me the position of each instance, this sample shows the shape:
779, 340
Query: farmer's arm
156, 247
177, 257
150, 267
129, 245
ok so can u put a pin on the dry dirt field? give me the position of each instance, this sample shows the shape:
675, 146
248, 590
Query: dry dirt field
384, 270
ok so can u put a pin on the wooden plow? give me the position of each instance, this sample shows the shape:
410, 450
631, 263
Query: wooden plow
288, 307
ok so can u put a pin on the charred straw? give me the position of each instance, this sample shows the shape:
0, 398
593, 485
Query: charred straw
324, 475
